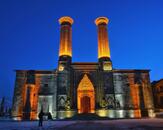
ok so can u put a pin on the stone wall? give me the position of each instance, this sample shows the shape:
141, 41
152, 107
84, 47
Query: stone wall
17, 106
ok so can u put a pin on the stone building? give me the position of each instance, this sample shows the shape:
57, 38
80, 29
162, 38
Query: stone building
89, 87
157, 87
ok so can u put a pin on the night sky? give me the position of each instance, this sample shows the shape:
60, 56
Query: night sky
29, 35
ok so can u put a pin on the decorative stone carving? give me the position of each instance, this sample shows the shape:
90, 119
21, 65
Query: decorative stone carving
110, 101
104, 103
67, 104
62, 101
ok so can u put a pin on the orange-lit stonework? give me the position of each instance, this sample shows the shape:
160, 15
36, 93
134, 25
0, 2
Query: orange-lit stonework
82, 87
86, 96
157, 87
134, 93
103, 40
65, 36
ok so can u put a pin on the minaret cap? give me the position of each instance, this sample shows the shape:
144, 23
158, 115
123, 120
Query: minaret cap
66, 19
100, 20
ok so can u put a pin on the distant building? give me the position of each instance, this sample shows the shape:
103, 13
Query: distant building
5, 107
75, 88
157, 87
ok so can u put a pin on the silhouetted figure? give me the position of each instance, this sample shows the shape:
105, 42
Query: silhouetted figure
40, 116
49, 116
2, 106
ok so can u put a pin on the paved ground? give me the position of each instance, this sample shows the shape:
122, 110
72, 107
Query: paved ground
125, 124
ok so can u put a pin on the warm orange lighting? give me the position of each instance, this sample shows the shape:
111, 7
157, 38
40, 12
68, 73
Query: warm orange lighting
137, 113
32, 98
135, 99
103, 40
61, 68
135, 96
101, 20
34, 88
86, 96
65, 36
66, 19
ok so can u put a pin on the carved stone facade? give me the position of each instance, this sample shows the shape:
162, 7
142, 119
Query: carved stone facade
75, 88
115, 94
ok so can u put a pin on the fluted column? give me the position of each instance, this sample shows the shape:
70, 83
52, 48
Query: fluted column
65, 36
103, 44
103, 41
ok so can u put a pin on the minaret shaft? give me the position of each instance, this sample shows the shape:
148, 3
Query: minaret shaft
103, 40
103, 44
65, 36
65, 41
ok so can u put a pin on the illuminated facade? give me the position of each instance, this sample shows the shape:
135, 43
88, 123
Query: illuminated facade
157, 87
77, 88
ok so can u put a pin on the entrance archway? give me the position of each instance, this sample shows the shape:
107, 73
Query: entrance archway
85, 96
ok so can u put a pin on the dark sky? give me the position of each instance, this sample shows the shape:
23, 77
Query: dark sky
29, 35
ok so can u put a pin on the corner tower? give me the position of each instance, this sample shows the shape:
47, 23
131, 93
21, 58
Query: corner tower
103, 43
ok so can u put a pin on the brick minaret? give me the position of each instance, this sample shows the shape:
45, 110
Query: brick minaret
64, 64
103, 43
65, 50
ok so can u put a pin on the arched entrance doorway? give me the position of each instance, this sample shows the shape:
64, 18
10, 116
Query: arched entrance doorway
85, 103
85, 96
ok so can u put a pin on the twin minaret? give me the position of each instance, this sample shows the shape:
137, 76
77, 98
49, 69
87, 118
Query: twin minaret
103, 41
65, 50
65, 36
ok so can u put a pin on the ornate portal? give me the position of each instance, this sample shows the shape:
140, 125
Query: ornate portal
86, 96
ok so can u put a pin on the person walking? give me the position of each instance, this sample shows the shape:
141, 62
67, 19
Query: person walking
49, 116
40, 116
